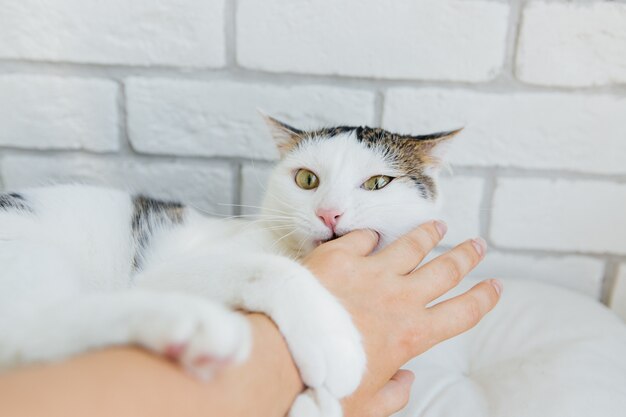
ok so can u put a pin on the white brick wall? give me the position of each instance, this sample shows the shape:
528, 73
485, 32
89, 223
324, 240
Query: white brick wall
425, 39
187, 33
221, 118
527, 130
162, 97
58, 113
570, 44
565, 215
208, 187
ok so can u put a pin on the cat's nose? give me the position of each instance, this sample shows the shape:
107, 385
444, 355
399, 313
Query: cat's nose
329, 217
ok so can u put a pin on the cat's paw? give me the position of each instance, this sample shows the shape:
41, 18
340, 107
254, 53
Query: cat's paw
202, 336
323, 341
316, 403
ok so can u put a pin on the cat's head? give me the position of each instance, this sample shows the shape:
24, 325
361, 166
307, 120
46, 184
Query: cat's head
331, 181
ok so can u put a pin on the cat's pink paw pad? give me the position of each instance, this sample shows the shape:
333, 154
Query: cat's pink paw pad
216, 362
175, 350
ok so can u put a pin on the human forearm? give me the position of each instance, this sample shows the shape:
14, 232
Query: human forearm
128, 381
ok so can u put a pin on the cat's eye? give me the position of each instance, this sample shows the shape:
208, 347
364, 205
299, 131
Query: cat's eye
376, 182
306, 179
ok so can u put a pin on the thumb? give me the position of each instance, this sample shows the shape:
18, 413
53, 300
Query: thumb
360, 242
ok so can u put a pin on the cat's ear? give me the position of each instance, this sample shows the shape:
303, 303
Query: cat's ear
286, 137
434, 147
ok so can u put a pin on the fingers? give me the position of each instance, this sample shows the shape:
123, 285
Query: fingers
392, 397
445, 272
360, 242
408, 251
456, 315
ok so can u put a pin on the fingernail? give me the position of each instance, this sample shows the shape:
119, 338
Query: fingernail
442, 228
479, 245
497, 285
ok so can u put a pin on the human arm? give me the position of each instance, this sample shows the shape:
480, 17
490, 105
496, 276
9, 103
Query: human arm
395, 326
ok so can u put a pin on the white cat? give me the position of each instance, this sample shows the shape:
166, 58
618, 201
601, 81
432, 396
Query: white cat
85, 267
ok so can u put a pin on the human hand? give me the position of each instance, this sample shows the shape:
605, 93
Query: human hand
388, 298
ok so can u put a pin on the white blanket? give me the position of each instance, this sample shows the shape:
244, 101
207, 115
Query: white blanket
543, 352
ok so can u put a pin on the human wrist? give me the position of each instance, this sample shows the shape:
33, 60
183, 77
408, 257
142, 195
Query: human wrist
271, 353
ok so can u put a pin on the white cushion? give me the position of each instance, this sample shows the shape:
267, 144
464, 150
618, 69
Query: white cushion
542, 352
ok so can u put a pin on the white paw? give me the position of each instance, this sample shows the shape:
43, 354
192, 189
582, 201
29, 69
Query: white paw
316, 403
202, 336
323, 341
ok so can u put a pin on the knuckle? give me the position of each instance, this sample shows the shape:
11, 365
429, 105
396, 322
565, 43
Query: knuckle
428, 236
470, 253
433, 233
473, 311
413, 245
451, 271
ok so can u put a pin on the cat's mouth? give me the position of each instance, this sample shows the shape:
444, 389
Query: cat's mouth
333, 237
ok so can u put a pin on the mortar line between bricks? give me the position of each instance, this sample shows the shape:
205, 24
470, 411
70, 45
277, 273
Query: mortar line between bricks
486, 205
511, 37
230, 33
518, 31
124, 139
458, 170
237, 189
500, 84
608, 280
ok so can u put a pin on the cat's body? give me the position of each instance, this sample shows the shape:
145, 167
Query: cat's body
86, 267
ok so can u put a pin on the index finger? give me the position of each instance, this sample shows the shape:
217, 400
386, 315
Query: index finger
360, 242
406, 253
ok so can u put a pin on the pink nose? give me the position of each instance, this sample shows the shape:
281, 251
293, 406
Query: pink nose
329, 217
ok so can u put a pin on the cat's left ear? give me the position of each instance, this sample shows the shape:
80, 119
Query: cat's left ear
286, 137
434, 147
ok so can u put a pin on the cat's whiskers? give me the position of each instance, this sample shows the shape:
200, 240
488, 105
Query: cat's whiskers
265, 190
301, 244
254, 207
283, 237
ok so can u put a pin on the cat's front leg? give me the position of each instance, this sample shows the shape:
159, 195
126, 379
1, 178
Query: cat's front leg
322, 338
199, 334
320, 333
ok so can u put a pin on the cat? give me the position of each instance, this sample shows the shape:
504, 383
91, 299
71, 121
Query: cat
86, 267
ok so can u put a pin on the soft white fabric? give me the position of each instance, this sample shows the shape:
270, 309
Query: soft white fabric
543, 352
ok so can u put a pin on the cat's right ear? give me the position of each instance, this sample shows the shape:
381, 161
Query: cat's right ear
286, 137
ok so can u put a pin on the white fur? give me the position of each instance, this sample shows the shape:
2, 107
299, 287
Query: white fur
68, 282
342, 165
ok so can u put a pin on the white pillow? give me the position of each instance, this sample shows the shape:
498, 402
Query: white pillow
542, 352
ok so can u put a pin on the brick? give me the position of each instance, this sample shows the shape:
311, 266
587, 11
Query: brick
461, 207
187, 33
570, 44
44, 112
443, 39
221, 119
205, 186
528, 130
582, 274
617, 300
585, 216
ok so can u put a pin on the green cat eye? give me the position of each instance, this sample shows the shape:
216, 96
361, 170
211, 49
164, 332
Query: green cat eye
306, 179
376, 182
